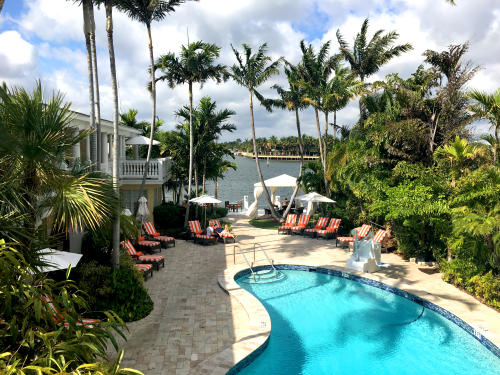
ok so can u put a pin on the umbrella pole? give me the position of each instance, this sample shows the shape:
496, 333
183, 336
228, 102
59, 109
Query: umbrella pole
205, 216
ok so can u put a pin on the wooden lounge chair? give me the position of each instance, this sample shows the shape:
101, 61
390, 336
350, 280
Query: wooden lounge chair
301, 225
197, 236
59, 318
156, 260
330, 231
154, 235
320, 224
362, 233
289, 223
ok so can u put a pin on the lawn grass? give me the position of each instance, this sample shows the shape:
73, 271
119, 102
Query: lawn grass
265, 224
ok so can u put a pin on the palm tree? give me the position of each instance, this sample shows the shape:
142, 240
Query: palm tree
1, 5
338, 93
458, 154
87, 30
292, 99
147, 11
210, 124
367, 58
251, 73
108, 5
97, 99
35, 148
313, 72
196, 64
487, 106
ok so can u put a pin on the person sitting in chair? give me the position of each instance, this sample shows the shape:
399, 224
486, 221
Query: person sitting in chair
226, 232
285, 203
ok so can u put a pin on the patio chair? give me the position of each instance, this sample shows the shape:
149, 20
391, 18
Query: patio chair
330, 231
225, 236
147, 246
154, 235
59, 318
289, 223
379, 237
146, 269
362, 233
320, 224
301, 225
197, 236
155, 260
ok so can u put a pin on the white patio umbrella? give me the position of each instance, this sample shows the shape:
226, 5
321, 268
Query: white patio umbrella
312, 198
58, 260
203, 200
142, 210
140, 140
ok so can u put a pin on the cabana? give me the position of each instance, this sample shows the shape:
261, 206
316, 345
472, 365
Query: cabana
272, 184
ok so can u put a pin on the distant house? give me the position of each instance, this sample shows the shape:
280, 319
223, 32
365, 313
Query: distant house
131, 170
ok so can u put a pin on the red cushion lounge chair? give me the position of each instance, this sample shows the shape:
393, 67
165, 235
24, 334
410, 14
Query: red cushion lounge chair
214, 222
197, 236
379, 238
155, 260
224, 235
147, 246
301, 225
289, 223
320, 224
330, 231
59, 318
154, 235
146, 269
362, 233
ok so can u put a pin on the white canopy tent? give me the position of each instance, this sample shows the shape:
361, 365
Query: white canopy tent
311, 199
273, 184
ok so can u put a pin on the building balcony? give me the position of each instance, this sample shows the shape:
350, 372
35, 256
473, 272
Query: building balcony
158, 170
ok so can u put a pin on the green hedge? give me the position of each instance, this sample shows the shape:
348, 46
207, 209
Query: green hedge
469, 276
121, 290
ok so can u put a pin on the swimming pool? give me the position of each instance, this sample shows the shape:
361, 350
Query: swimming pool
326, 324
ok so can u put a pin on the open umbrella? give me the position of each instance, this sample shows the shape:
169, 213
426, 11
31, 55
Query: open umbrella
204, 200
312, 198
140, 140
142, 210
58, 260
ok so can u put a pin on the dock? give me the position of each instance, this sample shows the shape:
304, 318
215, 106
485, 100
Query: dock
278, 157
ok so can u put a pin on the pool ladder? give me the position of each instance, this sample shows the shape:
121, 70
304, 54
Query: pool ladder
250, 265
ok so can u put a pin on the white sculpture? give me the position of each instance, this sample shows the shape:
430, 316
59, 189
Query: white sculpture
366, 254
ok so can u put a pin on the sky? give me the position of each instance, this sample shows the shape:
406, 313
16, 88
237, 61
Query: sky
44, 40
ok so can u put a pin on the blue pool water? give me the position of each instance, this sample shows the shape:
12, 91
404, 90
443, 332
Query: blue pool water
323, 324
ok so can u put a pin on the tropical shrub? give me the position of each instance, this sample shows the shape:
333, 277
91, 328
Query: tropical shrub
121, 290
33, 336
168, 217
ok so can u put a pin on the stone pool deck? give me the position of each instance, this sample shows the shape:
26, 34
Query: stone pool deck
197, 328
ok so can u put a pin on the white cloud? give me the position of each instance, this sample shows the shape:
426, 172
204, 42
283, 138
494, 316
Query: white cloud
18, 60
48, 42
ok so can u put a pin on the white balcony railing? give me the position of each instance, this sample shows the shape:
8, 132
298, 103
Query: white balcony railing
158, 169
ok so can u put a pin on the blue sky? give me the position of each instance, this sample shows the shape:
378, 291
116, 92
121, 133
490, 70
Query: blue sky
43, 39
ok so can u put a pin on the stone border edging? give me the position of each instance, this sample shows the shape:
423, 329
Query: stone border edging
256, 338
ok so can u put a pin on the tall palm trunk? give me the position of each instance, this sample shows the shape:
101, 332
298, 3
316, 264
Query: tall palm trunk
190, 174
322, 156
196, 187
216, 188
87, 31
153, 114
334, 126
266, 192
1, 5
116, 150
204, 177
495, 148
325, 140
301, 153
97, 101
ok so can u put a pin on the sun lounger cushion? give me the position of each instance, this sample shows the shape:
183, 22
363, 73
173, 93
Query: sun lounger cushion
204, 236
195, 227
214, 222
58, 317
379, 237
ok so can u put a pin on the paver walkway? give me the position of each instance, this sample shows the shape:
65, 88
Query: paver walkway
193, 319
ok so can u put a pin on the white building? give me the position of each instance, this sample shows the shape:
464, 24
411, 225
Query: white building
130, 170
